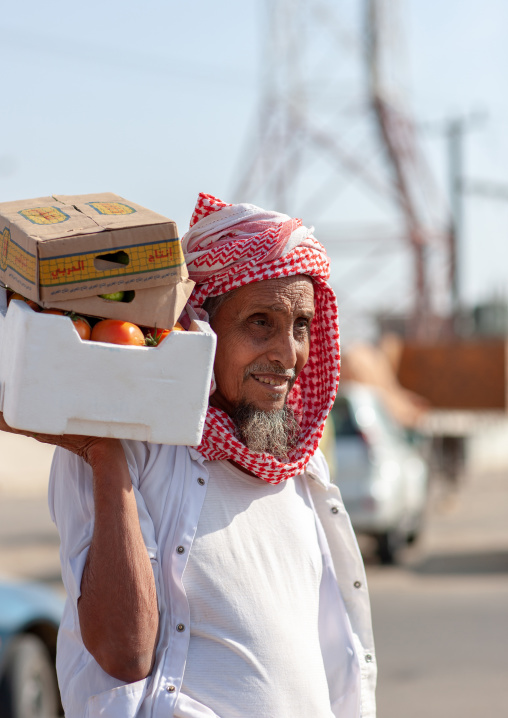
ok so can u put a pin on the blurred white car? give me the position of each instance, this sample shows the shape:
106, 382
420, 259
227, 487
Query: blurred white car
382, 478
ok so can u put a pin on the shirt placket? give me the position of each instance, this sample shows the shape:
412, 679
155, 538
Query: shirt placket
176, 626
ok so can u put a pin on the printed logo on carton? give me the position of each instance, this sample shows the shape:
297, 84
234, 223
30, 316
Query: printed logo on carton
70, 269
111, 207
44, 215
5, 238
22, 262
17, 259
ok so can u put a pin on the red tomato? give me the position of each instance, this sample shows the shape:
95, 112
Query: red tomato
33, 305
53, 311
115, 331
155, 336
81, 325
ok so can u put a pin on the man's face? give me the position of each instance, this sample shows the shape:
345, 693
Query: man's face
263, 341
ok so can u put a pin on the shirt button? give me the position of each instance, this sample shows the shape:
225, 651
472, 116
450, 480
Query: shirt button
368, 658
201, 481
357, 584
334, 510
180, 549
180, 627
170, 689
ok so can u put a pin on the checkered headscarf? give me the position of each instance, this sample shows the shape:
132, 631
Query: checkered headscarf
228, 246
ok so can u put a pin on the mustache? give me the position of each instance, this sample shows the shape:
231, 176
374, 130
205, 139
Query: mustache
289, 374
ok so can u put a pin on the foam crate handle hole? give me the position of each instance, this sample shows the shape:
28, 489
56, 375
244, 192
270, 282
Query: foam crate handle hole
111, 260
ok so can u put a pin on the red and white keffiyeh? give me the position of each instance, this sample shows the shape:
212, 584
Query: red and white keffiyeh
228, 246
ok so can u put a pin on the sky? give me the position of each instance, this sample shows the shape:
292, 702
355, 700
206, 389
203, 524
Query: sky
157, 101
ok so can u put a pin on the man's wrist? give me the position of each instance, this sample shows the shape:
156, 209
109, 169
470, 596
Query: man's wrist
102, 453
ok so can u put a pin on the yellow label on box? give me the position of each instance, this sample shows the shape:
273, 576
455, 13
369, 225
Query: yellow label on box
5, 238
18, 259
69, 269
44, 215
111, 207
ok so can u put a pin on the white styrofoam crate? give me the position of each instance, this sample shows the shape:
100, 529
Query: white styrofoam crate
52, 381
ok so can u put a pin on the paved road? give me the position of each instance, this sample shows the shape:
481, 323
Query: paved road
440, 618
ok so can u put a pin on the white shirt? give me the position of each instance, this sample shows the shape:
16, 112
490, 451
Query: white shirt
170, 485
253, 580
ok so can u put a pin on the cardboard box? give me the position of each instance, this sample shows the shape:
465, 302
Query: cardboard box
64, 251
156, 306
468, 375
53, 382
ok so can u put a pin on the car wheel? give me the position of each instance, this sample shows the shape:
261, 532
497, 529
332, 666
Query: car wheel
414, 533
388, 544
28, 687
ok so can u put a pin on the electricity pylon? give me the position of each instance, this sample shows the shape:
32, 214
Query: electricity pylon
334, 140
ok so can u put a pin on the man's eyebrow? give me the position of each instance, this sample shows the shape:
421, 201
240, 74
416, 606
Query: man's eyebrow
281, 308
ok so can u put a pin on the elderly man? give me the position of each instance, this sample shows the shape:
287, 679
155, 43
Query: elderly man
223, 580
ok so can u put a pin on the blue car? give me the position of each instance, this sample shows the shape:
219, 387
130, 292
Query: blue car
29, 619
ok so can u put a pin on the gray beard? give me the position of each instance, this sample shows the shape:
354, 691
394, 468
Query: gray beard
267, 432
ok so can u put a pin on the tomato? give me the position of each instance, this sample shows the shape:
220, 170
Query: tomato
33, 305
81, 325
155, 336
115, 331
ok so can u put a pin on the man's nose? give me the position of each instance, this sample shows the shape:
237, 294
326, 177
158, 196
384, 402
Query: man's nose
283, 350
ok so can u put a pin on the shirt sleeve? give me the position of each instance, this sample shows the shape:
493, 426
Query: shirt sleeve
71, 507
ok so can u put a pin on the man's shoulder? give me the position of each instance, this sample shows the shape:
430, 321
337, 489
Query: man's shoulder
144, 456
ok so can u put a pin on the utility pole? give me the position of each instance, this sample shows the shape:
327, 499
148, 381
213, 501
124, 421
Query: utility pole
454, 130
454, 138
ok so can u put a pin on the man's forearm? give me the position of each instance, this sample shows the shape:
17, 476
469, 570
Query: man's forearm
118, 604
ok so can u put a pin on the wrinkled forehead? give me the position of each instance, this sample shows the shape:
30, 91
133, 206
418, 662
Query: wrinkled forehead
292, 292
296, 292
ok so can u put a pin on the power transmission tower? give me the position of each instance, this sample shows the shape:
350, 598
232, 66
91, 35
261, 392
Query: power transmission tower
334, 140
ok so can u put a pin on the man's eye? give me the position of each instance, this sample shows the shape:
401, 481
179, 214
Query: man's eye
259, 321
302, 324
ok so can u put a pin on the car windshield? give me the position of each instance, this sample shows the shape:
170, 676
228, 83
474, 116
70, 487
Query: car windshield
343, 419
352, 418
385, 421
